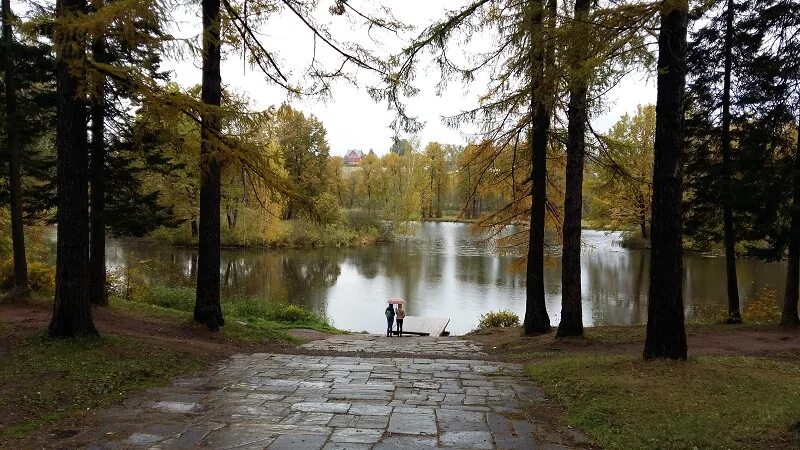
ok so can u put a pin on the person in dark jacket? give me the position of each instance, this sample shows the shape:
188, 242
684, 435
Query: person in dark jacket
389, 320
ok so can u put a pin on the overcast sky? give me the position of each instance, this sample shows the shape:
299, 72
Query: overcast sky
351, 117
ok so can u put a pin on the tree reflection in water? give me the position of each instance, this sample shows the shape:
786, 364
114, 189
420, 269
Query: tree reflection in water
442, 271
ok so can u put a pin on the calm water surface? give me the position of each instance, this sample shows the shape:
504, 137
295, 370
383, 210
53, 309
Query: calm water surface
442, 271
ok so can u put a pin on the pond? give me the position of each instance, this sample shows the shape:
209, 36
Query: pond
442, 270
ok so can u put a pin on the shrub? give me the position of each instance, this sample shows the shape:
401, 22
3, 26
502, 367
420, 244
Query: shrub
326, 207
180, 298
704, 311
257, 309
362, 220
762, 307
499, 319
292, 313
633, 240
41, 276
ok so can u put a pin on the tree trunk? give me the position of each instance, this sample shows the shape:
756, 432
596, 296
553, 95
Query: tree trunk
789, 317
193, 267
571, 312
231, 214
71, 312
666, 333
193, 225
97, 226
439, 199
14, 156
207, 309
536, 318
734, 315
430, 202
643, 228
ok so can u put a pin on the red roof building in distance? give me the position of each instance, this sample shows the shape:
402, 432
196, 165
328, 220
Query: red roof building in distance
353, 157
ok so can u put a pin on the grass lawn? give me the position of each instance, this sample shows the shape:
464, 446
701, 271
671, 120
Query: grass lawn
623, 402
246, 319
43, 380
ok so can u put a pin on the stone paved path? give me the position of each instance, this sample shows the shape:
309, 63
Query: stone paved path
277, 401
449, 347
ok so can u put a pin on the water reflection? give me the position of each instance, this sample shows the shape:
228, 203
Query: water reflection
442, 271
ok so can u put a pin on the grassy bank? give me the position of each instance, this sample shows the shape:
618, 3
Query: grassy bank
247, 319
45, 380
723, 402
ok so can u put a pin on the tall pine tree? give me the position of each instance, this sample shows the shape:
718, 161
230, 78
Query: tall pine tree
207, 309
666, 332
14, 150
577, 115
71, 312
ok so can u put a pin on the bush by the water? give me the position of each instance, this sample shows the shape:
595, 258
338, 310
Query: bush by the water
630, 239
41, 276
762, 307
39, 248
498, 319
759, 308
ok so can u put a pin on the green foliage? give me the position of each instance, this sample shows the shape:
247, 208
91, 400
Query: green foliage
303, 234
762, 307
41, 276
632, 239
254, 311
253, 231
401, 147
620, 183
370, 226
303, 144
179, 298
623, 402
498, 319
46, 380
326, 208
361, 220
34, 65
763, 131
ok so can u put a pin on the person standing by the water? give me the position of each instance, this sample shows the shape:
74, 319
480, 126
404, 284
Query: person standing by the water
401, 314
389, 320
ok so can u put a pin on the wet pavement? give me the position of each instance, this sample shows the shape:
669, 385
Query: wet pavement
278, 401
445, 347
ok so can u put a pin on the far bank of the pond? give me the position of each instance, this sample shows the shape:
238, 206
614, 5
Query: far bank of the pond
452, 219
353, 231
